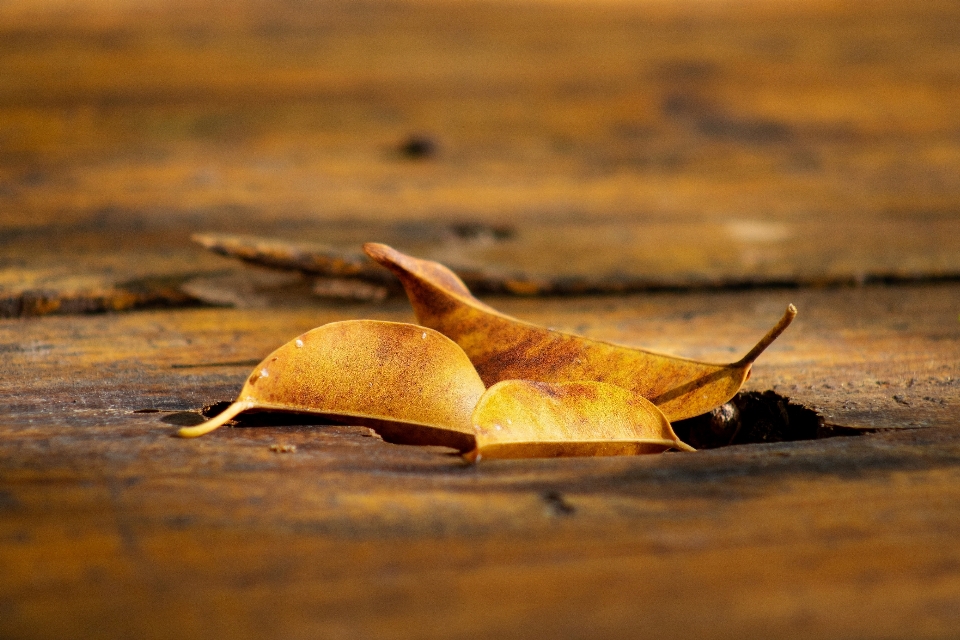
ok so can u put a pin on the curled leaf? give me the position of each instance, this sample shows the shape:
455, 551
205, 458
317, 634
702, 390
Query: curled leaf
505, 348
411, 384
524, 419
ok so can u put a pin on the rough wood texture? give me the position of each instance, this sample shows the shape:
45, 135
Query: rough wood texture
676, 142
111, 527
687, 141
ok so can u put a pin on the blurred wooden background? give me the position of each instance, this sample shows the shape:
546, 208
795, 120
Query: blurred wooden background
685, 142
697, 144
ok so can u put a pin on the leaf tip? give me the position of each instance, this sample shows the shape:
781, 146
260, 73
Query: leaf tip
378, 251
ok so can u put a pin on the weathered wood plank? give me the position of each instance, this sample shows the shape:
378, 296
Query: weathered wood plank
646, 140
679, 141
110, 527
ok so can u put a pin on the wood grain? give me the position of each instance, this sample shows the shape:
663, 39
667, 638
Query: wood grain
675, 142
111, 527
688, 142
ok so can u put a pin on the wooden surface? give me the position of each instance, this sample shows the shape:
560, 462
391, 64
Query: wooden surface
695, 144
679, 142
113, 528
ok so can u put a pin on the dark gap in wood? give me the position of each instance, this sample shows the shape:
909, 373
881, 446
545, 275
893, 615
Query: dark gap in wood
755, 417
557, 504
230, 363
161, 292
418, 146
750, 417
331, 261
475, 231
183, 418
255, 418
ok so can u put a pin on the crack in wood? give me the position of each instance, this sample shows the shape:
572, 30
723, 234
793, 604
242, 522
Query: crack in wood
758, 417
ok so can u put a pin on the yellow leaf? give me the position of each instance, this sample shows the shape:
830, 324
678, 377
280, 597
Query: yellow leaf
410, 384
524, 419
505, 348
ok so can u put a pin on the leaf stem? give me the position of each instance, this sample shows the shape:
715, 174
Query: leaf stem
215, 422
768, 339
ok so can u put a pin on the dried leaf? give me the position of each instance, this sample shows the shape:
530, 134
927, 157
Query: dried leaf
505, 348
410, 384
524, 419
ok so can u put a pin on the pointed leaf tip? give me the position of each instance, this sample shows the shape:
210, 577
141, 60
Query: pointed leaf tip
374, 249
414, 272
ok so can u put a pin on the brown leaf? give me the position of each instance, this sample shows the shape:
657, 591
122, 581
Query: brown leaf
524, 419
504, 348
410, 384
